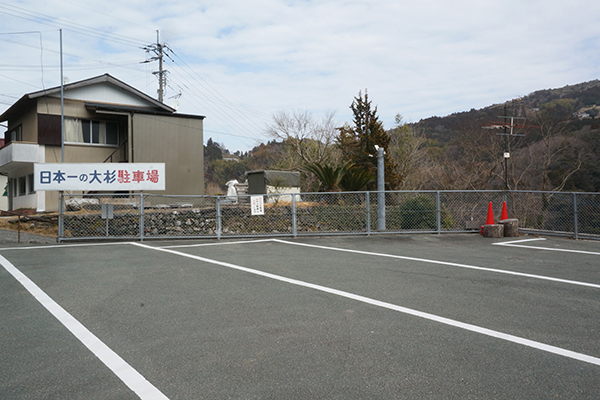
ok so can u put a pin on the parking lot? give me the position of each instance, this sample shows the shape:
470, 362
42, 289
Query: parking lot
338, 317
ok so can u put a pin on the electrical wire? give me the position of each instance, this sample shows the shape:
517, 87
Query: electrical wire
202, 94
222, 105
39, 18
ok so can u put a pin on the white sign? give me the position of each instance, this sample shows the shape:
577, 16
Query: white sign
257, 205
105, 177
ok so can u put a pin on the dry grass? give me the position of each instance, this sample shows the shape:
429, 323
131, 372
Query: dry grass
213, 189
30, 226
299, 204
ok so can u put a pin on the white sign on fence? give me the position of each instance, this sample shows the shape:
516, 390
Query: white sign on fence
257, 205
105, 177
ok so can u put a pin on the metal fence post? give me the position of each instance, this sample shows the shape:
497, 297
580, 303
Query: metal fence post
439, 212
142, 216
368, 206
219, 218
575, 216
294, 220
60, 216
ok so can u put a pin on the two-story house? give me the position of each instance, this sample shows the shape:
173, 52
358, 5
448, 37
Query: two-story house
105, 120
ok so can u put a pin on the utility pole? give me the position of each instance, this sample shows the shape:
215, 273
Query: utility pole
505, 125
160, 73
506, 149
160, 50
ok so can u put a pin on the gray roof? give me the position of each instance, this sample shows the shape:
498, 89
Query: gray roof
25, 101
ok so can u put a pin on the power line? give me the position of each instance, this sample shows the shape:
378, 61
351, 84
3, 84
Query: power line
224, 100
41, 50
218, 100
44, 19
197, 87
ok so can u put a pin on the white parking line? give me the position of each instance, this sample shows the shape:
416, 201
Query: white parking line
60, 246
215, 243
513, 244
451, 264
521, 241
125, 372
436, 318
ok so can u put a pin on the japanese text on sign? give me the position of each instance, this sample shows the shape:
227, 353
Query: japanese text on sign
257, 205
99, 177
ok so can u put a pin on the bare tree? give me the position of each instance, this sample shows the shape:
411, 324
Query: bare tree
556, 146
473, 160
406, 148
548, 164
307, 140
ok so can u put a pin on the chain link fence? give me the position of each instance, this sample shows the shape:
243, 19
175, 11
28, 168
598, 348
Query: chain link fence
149, 216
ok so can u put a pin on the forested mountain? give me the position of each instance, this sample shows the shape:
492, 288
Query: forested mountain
552, 137
585, 99
555, 143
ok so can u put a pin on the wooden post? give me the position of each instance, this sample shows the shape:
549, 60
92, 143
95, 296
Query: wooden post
493, 231
511, 227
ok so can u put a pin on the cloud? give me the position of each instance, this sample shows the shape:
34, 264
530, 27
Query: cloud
238, 62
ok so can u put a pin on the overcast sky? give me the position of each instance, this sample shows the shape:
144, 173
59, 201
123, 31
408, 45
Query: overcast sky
238, 62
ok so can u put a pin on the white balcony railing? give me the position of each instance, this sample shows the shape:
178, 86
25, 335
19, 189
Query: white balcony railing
16, 154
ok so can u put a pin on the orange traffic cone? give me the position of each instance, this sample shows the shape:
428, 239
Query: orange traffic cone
490, 216
504, 212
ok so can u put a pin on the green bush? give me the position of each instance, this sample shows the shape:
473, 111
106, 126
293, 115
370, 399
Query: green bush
334, 218
419, 213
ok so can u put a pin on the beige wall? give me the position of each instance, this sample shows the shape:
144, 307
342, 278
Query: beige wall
80, 153
176, 141
72, 108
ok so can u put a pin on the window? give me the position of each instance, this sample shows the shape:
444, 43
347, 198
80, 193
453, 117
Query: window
22, 186
112, 133
30, 184
15, 135
91, 131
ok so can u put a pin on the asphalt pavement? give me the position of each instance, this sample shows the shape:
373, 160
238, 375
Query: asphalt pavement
344, 317
9, 236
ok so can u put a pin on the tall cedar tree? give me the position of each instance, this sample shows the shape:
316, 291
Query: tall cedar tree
357, 142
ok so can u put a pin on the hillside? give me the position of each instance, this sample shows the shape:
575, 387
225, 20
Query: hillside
555, 146
586, 98
558, 147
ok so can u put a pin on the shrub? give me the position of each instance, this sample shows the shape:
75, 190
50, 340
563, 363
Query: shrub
420, 212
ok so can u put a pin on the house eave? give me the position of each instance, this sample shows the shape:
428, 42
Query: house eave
25, 101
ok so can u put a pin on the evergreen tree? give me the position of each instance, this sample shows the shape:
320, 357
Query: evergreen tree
357, 142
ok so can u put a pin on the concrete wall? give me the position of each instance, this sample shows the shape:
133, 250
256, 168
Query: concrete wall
29, 200
176, 141
3, 199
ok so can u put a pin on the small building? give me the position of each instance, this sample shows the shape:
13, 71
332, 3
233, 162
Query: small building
105, 121
273, 182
